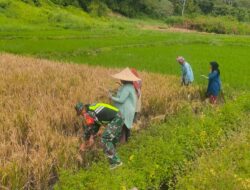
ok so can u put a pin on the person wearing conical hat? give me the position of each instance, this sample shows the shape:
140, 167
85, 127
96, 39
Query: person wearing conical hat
137, 85
125, 100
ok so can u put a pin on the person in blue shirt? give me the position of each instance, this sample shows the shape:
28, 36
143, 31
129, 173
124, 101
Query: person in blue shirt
214, 82
187, 72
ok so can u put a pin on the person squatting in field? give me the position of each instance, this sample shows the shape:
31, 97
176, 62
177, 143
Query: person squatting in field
125, 100
187, 72
95, 116
214, 82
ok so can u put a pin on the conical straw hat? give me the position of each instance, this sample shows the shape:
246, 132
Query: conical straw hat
126, 75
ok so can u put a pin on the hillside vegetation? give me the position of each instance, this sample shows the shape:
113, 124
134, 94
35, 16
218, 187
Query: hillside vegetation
155, 8
223, 17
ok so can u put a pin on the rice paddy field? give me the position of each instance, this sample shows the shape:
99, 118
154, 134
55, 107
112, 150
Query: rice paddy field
51, 59
70, 35
146, 50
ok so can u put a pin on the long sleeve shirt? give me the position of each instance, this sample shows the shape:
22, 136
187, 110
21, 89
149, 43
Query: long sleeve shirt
187, 73
214, 83
126, 101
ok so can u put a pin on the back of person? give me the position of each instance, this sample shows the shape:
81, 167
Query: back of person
126, 100
128, 107
104, 112
214, 84
187, 72
94, 116
137, 85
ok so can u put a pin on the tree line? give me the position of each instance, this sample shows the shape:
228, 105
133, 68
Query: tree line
240, 9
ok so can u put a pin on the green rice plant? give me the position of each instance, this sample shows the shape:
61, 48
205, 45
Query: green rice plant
71, 35
4, 4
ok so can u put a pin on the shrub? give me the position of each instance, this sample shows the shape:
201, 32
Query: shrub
206, 6
175, 21
159, 9
98, 8
35, 2
66, 2
219, 25
4, 4
241, 14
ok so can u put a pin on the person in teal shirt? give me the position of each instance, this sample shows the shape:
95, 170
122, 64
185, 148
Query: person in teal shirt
126, 100
187, 72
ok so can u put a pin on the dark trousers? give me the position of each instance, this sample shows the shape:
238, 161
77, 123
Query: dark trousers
125, 134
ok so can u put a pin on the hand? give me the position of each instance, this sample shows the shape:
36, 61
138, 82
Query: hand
91, 141
109, 94
82, 147
100, 132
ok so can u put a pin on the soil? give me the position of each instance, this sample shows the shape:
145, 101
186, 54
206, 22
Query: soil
166, 28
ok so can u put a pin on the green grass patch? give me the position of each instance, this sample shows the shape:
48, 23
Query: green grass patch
155, 156
145, 50
228, 167
219, 25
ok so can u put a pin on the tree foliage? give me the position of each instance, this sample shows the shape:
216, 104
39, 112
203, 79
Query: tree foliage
239, 9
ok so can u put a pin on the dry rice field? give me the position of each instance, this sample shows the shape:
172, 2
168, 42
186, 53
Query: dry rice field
39, 131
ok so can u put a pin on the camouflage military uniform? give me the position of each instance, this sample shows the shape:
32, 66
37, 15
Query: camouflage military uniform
111, 137
104, 114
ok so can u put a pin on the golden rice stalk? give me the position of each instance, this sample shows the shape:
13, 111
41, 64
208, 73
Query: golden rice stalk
39, 131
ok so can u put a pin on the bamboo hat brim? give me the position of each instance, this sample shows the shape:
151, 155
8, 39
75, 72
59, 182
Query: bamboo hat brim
126, 75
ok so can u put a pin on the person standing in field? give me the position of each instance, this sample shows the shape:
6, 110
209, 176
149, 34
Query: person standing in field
95, 116
214, 82
187, 72
137, 85
125, 100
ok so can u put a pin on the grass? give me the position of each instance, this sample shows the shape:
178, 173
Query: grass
153, 158
227, 167
151, 51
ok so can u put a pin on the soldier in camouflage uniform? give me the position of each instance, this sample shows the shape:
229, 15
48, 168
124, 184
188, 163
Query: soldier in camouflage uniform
95, 116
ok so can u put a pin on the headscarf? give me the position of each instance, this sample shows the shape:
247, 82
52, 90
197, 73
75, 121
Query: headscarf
215, 66
137, 84
180, 59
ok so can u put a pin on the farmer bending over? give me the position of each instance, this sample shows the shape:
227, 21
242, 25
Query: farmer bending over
187, 72
95, 116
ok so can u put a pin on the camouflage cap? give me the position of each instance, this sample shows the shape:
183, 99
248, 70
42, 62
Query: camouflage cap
79, 107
